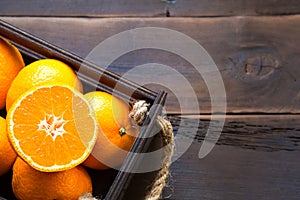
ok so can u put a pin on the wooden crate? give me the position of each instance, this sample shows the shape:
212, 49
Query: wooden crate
111, 184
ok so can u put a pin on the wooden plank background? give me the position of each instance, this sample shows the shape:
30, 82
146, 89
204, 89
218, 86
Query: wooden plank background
257, 132
147, 8
233, 173
255, 45
258, 58
256, 157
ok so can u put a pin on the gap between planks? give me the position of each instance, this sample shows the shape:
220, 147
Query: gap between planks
256, 132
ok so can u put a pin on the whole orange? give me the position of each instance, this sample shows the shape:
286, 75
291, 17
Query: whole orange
28, 183
11, 62
7, 153
41, 72
116, 132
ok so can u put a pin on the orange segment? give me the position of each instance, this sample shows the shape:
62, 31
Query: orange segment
53, 128
61, 145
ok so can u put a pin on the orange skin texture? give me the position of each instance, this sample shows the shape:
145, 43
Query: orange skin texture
111, 147
41, 72
28, 183
11, 62
7, 153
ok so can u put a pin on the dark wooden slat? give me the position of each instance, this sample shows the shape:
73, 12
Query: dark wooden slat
91, 8
147, 8
257, 132
198, 8
256, 56
257, 157
234, 173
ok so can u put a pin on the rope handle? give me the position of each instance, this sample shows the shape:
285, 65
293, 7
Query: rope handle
138, 115
162, 175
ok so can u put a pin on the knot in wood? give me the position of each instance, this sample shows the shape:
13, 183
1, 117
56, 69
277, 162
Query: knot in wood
260, 65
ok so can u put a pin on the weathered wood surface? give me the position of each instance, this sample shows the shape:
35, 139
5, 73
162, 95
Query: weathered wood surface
147, 8
212, 8
234, 173
257, 132
257, 157
258, 57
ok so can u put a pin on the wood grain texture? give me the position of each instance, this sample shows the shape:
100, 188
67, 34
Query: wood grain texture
200, 8
257, 57
256, 158
147, 8
88, 8
234, 173
256, 132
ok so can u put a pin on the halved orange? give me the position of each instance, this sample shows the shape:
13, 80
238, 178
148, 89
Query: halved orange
53, 128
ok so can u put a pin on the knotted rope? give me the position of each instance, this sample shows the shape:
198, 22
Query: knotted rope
138, 114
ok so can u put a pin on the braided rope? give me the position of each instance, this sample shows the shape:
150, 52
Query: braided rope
87, 196
163, 173
138, 114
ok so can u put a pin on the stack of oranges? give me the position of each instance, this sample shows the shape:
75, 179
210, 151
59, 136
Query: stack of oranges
52, 131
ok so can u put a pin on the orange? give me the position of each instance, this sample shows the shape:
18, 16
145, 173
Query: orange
41, 72
7, 153
11, 62
28, 183
116, 133
53, 128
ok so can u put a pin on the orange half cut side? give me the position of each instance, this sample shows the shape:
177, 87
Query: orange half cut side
53, 128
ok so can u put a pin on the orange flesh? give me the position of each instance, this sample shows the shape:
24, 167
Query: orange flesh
53, 127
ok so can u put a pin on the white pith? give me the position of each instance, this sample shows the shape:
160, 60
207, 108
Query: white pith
53, 125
